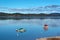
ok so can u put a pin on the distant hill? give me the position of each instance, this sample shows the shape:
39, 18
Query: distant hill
29, 16
6, 14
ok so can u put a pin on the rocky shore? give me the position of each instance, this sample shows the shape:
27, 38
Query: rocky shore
50, 38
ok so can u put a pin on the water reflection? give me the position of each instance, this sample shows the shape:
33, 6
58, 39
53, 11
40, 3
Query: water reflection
35, 29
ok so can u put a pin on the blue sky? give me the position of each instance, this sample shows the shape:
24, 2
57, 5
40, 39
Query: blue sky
27, 3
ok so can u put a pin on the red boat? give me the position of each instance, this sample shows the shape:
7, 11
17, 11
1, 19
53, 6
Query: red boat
45, 27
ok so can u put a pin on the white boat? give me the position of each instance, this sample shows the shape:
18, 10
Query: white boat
20, 30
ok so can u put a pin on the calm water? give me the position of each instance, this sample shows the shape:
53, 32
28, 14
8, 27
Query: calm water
34, 29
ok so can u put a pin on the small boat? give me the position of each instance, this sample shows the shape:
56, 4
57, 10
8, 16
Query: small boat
45, 27
21, 30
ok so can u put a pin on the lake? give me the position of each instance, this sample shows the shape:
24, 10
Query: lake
34, 29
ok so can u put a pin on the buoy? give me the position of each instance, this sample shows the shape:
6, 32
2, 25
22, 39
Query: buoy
45, 27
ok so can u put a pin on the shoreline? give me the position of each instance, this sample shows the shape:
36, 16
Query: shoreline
29, 16
50, 38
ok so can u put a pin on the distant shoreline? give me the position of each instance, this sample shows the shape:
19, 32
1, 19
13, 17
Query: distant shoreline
29, 16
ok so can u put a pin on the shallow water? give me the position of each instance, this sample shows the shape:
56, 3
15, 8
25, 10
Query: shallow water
34, 29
